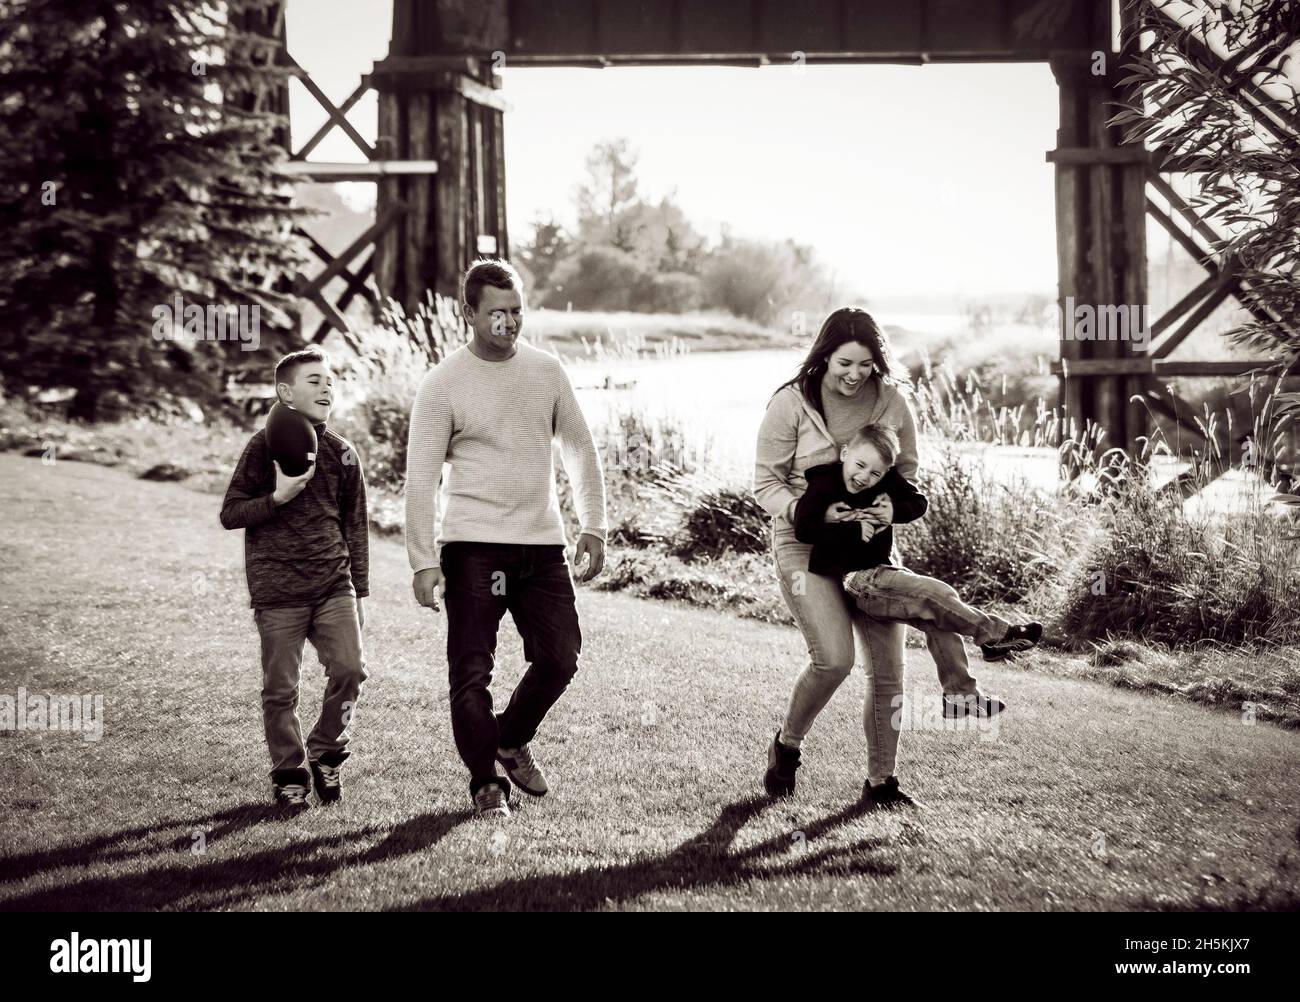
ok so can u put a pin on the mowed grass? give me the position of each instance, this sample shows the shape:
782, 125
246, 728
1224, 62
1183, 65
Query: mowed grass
1088, 798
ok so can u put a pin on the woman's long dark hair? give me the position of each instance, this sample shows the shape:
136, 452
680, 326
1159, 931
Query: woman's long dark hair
844, 325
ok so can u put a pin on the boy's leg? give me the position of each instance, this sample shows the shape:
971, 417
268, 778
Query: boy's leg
336, 635
895, 593
283, 632
925, 598
479, 578
545, 612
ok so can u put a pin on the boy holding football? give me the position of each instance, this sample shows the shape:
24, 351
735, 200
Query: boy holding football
306, 553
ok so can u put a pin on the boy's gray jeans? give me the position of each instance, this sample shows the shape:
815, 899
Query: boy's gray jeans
333, 629
934, 607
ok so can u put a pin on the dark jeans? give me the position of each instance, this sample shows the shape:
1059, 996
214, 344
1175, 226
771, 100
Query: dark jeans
483, 580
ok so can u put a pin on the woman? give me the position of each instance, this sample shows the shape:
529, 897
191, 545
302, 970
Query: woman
847, 380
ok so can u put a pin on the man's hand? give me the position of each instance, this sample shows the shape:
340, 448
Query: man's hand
593, 549
361, 613
286, 487
428, 585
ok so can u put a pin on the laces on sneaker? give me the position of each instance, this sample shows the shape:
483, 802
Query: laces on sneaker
293, 793
329, 774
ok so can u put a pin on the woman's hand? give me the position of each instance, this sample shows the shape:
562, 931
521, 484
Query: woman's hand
840, 512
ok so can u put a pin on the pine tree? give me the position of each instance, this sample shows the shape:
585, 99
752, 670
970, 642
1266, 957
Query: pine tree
137, 169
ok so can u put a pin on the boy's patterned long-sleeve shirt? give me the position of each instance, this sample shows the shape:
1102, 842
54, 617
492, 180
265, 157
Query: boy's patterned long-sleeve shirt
315, 545
495, 424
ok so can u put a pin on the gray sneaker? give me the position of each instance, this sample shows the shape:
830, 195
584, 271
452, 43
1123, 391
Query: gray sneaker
523, 771
490, 801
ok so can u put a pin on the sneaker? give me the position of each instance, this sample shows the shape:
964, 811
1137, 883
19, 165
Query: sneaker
490, 801
1018, 639
523, 771
327, 780
782, 761
975, 705
290, 796
887, 795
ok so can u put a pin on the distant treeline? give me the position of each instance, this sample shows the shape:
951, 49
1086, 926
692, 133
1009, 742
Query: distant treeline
629, 253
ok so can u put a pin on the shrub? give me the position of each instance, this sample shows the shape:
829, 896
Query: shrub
380, 388
722, 520
1161, 574
603, 278
992, 542
647, 464
668, 292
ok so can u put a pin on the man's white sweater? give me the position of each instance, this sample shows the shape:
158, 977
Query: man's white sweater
494, 423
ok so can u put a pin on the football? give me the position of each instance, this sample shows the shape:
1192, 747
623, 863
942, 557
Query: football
291, 439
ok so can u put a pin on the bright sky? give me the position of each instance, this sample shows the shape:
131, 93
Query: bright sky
907, 179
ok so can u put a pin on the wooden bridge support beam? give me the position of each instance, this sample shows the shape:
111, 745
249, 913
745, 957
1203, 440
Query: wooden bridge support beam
1101, 244
436, 103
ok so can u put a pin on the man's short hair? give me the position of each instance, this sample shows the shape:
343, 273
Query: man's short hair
488, 271
880, 437
288, 366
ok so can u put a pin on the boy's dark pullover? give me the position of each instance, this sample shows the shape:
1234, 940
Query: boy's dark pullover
838, 547
316, 545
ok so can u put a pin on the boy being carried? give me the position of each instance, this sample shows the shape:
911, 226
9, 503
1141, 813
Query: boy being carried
846, 515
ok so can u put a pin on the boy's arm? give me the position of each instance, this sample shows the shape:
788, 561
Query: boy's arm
356, 525
909, 503
248, 502
426, 450
810, 525
581, 462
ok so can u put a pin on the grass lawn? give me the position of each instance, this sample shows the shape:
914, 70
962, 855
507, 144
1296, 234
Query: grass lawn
1089, 797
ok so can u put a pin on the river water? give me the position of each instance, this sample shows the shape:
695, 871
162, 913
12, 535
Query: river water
720, 398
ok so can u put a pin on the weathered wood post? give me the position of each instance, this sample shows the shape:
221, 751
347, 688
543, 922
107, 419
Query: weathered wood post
1101, 247
439, 100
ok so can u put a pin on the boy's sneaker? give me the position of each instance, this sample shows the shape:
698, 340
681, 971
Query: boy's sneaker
290, 788
523, 771
887, 795
782, 761
490, 801
290, 796
327, 780
974, 705
1018, 639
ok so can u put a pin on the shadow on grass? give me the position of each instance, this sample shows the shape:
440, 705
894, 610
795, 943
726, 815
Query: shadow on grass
111, 847
205, 881
202, 882
704, 861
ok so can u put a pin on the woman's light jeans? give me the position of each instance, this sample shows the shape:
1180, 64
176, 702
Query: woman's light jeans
835, 630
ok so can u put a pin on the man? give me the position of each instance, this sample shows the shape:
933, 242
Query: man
491, 410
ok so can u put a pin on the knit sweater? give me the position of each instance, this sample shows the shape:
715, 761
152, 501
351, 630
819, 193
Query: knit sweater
495, 423
312, 547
